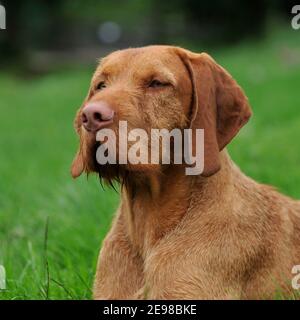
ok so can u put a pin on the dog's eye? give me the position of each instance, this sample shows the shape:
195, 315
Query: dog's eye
101, 85
157, 84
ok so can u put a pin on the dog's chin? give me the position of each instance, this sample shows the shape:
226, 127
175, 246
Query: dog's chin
120, 172
115, 172
111, 173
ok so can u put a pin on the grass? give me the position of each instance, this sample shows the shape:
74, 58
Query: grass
51, 226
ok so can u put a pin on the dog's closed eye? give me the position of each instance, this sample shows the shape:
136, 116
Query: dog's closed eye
101, 85
157, 84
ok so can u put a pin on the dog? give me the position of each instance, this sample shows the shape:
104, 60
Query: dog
217, 235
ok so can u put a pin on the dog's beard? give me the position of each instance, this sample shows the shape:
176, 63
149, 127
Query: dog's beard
109, 173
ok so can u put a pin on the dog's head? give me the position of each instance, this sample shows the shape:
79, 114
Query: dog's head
159, 87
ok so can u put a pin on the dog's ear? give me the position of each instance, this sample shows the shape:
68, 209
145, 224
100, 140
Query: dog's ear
220, 106
78, 165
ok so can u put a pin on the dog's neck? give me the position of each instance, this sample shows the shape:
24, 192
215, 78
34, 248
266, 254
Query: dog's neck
154, 204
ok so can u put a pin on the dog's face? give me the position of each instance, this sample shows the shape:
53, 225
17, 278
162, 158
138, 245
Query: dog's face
158, 87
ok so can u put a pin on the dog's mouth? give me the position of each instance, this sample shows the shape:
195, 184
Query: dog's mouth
93, 161
104, 124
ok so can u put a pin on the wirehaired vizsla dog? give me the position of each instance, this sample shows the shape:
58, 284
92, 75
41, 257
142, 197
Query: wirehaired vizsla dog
218, 235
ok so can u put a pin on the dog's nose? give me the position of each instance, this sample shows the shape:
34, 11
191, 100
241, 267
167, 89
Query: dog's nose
96, 115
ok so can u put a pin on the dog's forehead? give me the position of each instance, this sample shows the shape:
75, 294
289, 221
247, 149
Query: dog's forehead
134, 58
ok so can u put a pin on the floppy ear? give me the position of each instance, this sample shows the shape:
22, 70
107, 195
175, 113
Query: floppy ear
220, 106
79, 164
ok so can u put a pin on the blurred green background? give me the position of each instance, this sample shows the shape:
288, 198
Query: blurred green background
51, 227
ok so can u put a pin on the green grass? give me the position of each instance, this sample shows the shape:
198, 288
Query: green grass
51, 227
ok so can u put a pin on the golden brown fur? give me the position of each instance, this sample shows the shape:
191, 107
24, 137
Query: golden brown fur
219, 235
